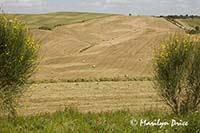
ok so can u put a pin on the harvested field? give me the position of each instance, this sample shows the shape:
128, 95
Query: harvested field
107, 47
102, 48
91, 96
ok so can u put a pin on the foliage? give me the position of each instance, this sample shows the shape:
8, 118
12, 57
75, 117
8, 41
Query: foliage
193, 31
182, 16
72, 120
177, 73
102, 79
44, 28
18, 60
197, 28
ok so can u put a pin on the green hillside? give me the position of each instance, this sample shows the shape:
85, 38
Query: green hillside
191, 22
58, 18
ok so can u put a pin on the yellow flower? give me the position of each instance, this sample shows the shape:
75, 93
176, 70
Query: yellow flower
185, 40
22, 57
162, 54
163, 46
195, 39
166, 55
7, 53
10, 20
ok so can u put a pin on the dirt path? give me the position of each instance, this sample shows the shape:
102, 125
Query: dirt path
108, 47
91, 96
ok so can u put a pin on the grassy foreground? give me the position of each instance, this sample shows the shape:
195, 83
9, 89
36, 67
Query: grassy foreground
72, 120
52, 20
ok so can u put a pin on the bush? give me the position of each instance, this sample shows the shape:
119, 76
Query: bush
197, 28
57, 25
177, 73
193, 31
18, 60
44, 28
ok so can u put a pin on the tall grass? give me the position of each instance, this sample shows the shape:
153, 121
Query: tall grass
72, 121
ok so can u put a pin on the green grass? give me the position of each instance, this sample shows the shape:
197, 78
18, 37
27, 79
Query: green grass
72, 121
192, 22
58, 18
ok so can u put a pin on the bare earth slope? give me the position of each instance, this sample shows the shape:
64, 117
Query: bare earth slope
107, 47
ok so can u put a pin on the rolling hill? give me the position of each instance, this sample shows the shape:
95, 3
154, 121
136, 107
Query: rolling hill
102, 47
112, 46
51, 20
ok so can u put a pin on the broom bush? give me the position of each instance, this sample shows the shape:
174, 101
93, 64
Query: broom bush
18, 60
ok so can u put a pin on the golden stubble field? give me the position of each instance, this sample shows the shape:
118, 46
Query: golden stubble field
107, 47
137, 96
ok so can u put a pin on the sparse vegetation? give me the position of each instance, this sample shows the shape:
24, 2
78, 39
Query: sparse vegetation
102, 79
177, 74
18, 60
44, 28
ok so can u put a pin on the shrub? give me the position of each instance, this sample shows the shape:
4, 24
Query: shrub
193, 31
18, 60
44, 28
197, 28
177, 73
57, 25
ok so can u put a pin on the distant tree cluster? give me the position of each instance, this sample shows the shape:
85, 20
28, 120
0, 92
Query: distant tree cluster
181, 16
172, 19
